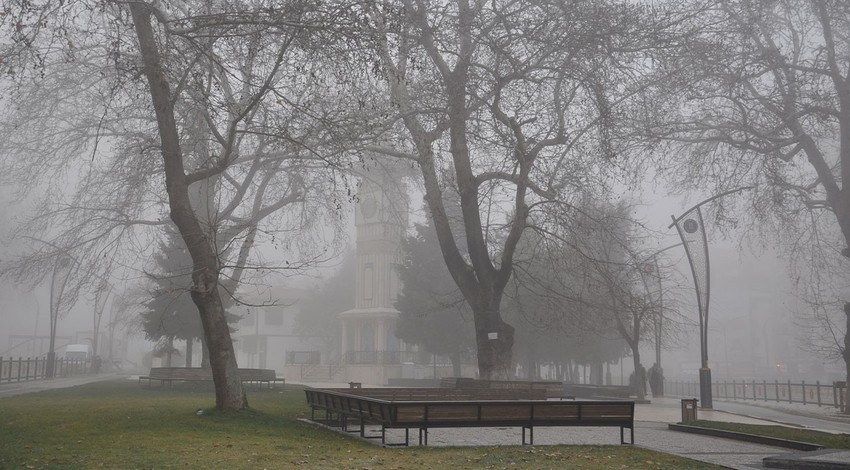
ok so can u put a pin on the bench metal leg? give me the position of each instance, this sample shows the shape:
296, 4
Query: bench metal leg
423, 431
530, 435
632, 435
396, 444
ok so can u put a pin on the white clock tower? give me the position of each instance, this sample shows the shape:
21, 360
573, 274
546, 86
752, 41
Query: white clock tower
371, 351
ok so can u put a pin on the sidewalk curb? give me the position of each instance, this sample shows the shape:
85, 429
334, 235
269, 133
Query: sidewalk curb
740, 436
760, 418
817, 460
834, 418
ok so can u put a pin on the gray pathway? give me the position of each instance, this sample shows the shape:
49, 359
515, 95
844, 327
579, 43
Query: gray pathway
719, 451
650, 435
11, 389
796, 418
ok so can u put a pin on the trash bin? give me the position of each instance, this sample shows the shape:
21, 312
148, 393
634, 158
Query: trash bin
689, 409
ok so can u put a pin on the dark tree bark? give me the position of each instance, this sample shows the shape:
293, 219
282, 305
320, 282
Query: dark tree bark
845, 354
456, 364
205, 293
189, 343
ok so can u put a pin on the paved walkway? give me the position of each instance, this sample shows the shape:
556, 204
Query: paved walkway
809, 419
11, 389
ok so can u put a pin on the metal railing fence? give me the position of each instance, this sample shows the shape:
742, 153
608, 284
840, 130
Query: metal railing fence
817, 393
35, 368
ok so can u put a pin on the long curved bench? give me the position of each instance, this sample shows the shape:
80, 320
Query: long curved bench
446, 408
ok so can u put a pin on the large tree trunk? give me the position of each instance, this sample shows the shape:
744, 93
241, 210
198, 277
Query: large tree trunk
495, 340
205, 293
205, 355
846, 355
169, 351
596, 371
532, 368
456, 364
640, 376
189, 342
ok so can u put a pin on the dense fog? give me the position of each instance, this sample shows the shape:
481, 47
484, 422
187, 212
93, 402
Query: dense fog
754, 326
378, 193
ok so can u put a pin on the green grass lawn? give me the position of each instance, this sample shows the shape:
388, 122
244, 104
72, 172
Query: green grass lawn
832, 441
120, 425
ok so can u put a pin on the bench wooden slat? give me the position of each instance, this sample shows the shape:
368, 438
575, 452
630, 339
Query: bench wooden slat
506, 412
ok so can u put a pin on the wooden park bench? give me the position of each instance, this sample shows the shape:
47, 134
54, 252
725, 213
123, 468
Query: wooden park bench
469, 411
169, 375
261, 377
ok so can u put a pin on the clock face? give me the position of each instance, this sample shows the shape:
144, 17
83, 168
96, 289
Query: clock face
369, 206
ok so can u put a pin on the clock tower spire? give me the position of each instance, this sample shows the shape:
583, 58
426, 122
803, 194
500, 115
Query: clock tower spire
371, 351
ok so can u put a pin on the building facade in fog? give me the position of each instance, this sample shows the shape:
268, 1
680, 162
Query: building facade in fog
265, 336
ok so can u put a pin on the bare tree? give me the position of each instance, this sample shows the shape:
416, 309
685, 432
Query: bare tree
505, 106
823, 283
766, 91
227, 99
552, 306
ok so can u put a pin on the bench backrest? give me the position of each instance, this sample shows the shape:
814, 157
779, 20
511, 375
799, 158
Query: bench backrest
257, 374
178, 373
422, 394
539, 413
501, 413
198, 373
190, 373
455, 411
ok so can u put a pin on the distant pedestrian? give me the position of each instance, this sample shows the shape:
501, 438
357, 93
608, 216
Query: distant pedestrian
656, 380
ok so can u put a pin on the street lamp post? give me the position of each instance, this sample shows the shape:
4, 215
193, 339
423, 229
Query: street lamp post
691, 230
